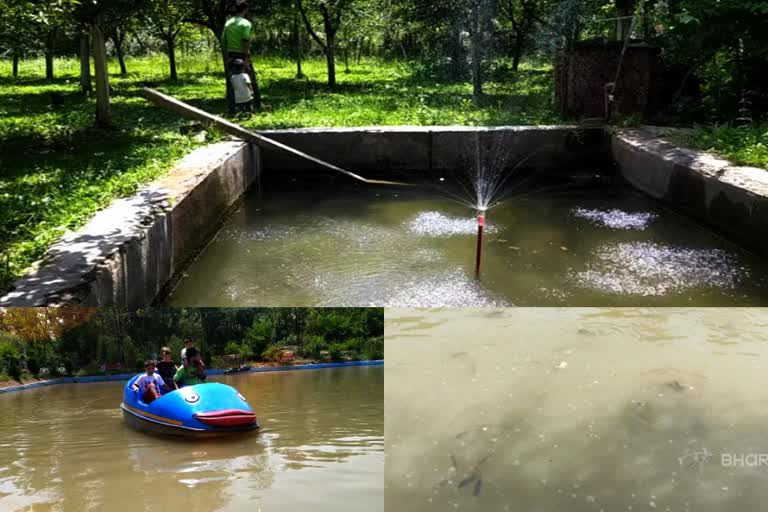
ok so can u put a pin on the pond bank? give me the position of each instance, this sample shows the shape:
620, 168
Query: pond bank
128, 376
733, 199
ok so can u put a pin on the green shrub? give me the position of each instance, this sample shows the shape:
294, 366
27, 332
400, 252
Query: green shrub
33, 366
218, 362
14, 368
356, 344
273, 353
374, 348
91, 369
4, 377
335, 351
313, 346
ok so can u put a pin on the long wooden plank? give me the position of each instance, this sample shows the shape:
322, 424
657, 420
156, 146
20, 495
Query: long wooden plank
190, 112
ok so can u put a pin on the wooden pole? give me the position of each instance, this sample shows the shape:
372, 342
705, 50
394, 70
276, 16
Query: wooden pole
190, 112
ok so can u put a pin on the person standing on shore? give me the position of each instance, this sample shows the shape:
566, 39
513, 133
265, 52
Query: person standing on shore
236, 43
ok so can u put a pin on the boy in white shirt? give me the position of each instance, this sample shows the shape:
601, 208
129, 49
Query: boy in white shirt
149, 383
242, 87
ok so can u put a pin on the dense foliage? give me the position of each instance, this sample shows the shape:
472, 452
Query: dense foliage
713, 49
71, 340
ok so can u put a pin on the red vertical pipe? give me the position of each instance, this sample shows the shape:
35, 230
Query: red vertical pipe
479, 250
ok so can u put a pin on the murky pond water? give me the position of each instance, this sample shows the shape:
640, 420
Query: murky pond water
66, 448
594, 245
576, 409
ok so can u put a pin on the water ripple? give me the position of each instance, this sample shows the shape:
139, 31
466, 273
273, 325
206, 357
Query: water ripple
616, 219
436, 224
649, 269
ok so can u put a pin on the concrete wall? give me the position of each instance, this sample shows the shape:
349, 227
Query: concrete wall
732, 199
129, 253
392, 152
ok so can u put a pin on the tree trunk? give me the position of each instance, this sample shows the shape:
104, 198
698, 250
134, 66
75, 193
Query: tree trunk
172, 57
15, 63
346, 59
118, 40
297, 44
330, 57
85, 63
49, 47
360, 43
518, 51
103, 113
475, 37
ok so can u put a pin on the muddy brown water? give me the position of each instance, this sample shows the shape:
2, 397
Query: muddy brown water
583, 410
573, 245
66, 448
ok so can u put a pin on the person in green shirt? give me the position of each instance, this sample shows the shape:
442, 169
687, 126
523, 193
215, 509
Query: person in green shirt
193, 372
236, 42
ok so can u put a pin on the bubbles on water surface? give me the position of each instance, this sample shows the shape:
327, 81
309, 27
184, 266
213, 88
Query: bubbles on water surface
447, 289
436, 224
616, 219
649, 269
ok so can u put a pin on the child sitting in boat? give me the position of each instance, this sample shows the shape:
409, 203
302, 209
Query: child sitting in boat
193, 372
166, 368
149, 384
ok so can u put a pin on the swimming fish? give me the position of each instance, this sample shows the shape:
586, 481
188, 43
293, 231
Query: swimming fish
478, 485
472, 477
676, 386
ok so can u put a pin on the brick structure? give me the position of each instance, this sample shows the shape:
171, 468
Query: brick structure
582, 72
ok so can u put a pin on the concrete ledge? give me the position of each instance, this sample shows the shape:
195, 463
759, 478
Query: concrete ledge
131, 251
381, 151
129, 376
732, 199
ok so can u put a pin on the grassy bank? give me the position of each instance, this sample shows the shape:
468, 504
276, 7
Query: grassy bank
56, 170
742, 146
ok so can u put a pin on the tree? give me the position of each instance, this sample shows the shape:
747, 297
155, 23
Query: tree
15, 20
117, 32
85, 60
330, 12
100, 15
47, 17
521, 16
211, 14
166, 19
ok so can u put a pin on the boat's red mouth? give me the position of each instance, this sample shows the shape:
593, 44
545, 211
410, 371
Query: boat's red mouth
227, 418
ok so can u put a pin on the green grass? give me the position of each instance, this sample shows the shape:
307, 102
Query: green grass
57, 170
742, 146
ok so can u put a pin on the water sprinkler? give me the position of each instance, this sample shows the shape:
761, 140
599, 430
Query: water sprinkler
479, 250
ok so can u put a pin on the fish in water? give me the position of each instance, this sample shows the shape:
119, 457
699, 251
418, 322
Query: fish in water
478, 486
676, 386
472, 478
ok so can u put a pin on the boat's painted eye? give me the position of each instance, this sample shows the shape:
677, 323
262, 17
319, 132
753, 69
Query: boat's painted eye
192, 397
241, 397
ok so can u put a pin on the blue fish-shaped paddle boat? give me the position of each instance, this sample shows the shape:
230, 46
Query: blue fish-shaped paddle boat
201, 410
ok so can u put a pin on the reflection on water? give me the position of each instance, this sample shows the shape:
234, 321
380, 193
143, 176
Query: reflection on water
373, 247
66, 448
576, 409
